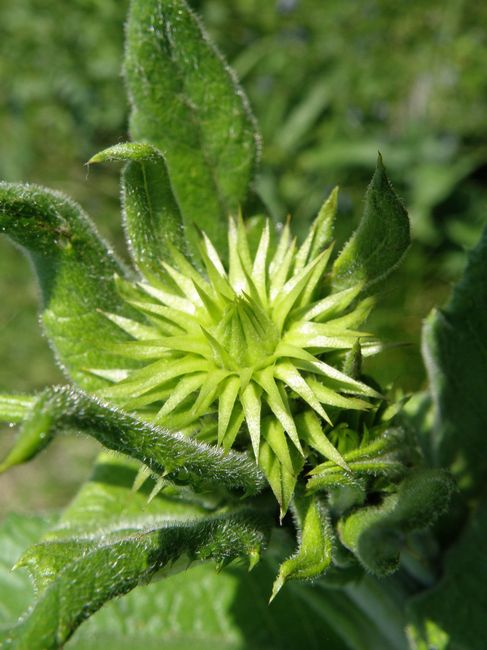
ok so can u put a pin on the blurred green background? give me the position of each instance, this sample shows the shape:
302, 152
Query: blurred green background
330, 83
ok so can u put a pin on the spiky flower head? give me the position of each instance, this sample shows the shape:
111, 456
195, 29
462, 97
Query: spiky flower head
245, 355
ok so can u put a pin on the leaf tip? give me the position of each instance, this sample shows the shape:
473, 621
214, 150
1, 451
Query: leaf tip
282, 513
97, 158
254, 559
277, 586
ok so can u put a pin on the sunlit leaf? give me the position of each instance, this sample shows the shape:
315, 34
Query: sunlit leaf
92, 557
76, 272
152, 218
315, 542
186, 102
183, 459
380, 241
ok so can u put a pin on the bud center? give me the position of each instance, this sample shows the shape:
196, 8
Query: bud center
247, 333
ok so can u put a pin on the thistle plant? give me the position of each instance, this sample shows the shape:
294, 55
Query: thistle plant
223, 371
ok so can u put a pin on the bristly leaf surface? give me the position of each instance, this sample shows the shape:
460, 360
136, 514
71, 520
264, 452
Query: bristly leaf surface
76, 271
381, 239
152, 218
78, 568
455, 352
186, 102
64, 410
199, 608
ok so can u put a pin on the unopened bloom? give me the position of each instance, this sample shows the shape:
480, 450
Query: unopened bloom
244, 353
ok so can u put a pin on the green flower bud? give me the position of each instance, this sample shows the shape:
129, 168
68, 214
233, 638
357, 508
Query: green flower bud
239, 355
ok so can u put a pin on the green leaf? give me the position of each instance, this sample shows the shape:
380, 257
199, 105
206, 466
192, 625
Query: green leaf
79, 567
380, 241
111, 501
455, 353
314, 552
452, 613
186, 102
76, 274
229, 611
63, 410
16, 533
374, 534
204, 609
208, 611
384, 456
197, 608
226, 611
152, 218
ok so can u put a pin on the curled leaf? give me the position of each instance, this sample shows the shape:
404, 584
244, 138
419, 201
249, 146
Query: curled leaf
383, 456
63, 410
152, 219
186, 102
374, 533
381, 239
315, 540
76, 272
91, 571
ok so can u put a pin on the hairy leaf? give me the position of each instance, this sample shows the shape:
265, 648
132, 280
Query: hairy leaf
380, 241
229, 611
76, 274
112, 538
113, 499
208, 611
314, 552
452, 613
16, 593
151, 215
204, 609
182, 459
384, 456
186, 102
373, 533
455, 352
